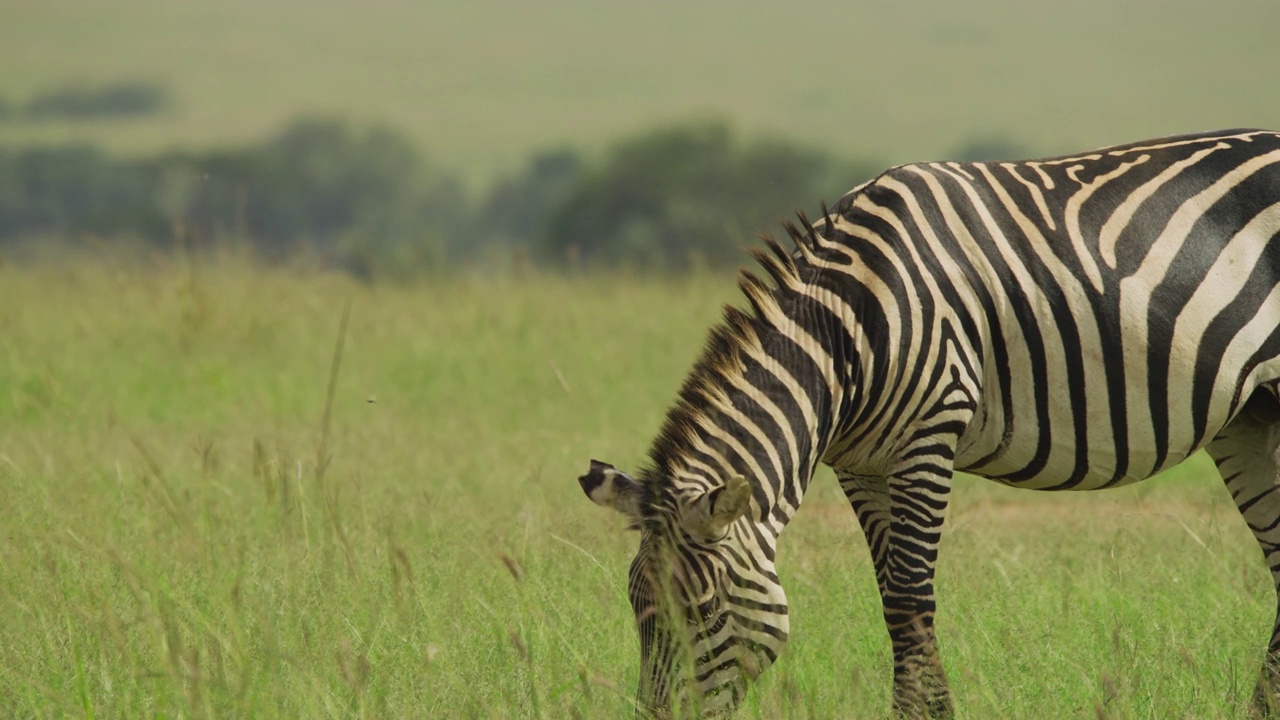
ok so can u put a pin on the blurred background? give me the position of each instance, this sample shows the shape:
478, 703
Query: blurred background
390, 138
311, 312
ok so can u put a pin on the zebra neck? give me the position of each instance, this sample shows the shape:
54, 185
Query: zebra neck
848, 346
781, 410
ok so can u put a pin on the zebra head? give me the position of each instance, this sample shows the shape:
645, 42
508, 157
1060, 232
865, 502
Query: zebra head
709, 608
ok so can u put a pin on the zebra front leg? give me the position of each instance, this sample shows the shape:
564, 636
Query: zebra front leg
918, 501
869, 497
1245, 453
902, 520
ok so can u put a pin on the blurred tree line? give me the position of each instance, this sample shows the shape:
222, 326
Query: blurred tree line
368, 201
130, 98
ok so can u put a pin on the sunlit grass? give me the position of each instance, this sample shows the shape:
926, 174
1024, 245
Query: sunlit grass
174, 541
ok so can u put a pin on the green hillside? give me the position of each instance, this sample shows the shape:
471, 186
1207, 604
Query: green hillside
481, 84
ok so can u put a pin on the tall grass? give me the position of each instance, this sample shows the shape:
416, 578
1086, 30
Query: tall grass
207, 512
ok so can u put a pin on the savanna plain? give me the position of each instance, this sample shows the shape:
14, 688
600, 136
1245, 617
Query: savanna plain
220, 499
236, 491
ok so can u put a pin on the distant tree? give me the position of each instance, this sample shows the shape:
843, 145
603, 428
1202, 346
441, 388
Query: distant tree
517, 208
72, 191
124, 99
689, 194
369, 202
358, 198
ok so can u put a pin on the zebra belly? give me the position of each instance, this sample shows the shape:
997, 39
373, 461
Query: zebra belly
1054, 461
1061, 428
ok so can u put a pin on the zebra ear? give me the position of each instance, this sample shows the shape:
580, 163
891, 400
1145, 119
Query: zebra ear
710, 514
610, 487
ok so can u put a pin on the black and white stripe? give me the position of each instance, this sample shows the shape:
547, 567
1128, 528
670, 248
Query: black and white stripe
1070, 323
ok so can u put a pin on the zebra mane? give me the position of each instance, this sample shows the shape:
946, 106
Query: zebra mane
721, 356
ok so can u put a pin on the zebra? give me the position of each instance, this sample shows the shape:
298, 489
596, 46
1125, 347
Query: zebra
1069, 323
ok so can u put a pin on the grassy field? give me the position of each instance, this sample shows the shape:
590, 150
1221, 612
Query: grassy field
190, 528
481, 84
199, 519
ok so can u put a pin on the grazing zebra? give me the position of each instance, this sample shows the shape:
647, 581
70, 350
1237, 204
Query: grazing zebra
1072, 323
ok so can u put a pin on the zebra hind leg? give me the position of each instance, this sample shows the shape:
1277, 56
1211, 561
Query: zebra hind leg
920, 685
1246, 455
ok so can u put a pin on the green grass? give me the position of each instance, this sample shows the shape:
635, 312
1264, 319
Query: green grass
481, 84
175, 540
